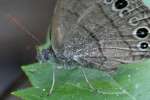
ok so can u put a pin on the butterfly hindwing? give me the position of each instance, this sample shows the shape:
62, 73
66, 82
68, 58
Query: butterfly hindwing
95, 32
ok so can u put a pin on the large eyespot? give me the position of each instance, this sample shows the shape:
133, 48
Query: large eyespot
141, 32
120, 4
143, 46
108, 1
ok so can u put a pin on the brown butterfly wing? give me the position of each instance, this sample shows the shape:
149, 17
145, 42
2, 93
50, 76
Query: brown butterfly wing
90, 32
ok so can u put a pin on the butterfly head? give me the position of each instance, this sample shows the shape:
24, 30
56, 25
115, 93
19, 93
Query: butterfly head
45, 55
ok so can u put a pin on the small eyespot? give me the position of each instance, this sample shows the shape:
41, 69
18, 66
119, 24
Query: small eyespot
133, 21
124, 12
141, 33
143, 46
120, 4
108, 1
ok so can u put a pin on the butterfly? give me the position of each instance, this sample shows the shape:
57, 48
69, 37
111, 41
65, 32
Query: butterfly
99, 34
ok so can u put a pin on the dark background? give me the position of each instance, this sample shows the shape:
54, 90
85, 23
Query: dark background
18, 20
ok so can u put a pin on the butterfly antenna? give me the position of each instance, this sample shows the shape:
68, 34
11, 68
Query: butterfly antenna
23, 28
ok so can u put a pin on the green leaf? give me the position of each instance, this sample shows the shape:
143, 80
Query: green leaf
130, 82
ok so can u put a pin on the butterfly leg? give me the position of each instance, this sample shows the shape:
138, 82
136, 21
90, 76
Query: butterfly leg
77, 59
86, 79
53, 83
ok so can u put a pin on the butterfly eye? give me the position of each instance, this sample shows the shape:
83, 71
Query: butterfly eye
108, 1
121, 4
45, 54
143, 46
141, 33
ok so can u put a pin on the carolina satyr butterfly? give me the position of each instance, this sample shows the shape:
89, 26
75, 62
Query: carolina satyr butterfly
99, 33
